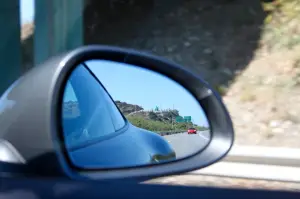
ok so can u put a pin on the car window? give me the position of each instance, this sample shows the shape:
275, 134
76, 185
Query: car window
88, 111
70, 103
117, 118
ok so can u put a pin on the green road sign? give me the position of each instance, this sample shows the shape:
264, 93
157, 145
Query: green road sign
188, 118
183, 119
179, 119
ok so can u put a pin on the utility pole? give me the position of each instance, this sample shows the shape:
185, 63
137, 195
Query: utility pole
172, 117
172, 122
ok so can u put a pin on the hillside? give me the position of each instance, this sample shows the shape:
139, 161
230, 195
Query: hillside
154, 121
128, 108
163, 120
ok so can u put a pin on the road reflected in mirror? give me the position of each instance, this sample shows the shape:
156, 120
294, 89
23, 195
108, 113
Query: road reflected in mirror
116, 115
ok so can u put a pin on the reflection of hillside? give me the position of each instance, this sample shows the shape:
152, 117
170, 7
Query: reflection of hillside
153, 120
138, 111
128, 108
163, 116
163, 120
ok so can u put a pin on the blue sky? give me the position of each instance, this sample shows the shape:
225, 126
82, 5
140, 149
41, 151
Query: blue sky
27, 10
148, 89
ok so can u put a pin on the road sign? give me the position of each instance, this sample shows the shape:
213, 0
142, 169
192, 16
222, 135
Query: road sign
183, 119
179, 119
187, 118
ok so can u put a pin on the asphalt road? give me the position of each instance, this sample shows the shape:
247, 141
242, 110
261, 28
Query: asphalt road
186, 144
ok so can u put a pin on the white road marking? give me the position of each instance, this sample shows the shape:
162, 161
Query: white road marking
203, 136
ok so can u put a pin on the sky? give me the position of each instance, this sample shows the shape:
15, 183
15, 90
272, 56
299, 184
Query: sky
146, 88
137, 86
27, 11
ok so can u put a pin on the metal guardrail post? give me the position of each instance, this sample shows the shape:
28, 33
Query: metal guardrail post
58, 27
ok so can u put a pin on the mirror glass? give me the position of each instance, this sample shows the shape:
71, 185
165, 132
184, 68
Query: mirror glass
116, 115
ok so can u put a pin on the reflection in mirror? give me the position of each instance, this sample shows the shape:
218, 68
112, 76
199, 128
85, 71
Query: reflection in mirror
117, 115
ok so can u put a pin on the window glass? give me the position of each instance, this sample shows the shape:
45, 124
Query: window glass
88, 112
70, 102
117, 118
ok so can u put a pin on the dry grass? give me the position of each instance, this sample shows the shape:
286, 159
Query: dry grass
281, 26
26, 31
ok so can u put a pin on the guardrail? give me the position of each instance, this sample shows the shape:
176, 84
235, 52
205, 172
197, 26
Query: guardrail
253, 162
170, 132
278, 156
164, 133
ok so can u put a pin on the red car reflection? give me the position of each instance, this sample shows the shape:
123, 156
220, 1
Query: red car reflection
192, 131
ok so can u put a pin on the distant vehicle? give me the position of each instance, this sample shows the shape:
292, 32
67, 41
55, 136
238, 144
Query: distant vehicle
192, 131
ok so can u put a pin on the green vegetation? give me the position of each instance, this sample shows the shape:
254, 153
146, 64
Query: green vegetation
159, 126
281, 29
158, 121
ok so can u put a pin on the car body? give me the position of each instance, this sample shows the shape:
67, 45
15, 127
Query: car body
57, 188
117, 142
192, 131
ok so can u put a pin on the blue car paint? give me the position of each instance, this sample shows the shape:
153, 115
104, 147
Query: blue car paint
134, 147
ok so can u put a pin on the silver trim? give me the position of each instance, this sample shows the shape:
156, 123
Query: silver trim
8, 153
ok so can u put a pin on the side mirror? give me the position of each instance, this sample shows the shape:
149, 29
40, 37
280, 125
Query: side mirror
102, 113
